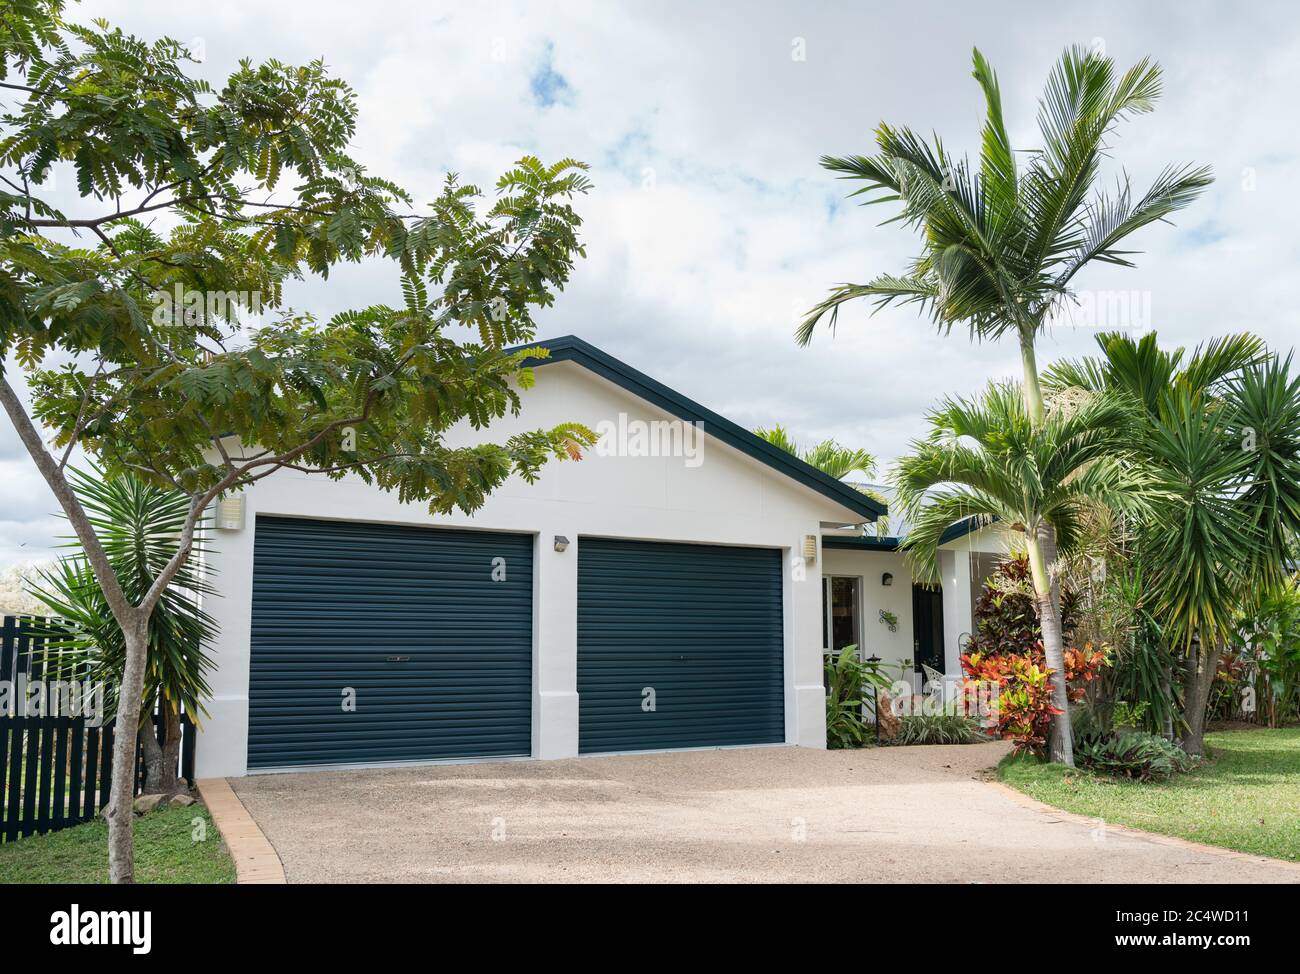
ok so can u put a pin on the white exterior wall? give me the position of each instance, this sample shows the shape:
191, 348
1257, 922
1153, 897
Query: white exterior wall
868, 567
955, 573
955, 565
727, 499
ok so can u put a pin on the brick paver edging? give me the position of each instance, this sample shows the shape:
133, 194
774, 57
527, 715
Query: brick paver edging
256, 860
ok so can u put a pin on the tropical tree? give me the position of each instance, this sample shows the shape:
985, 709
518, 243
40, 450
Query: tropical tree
1003, 244
831, 458
1220, 431
1271, 631
136, 342
827, 456
140, 525
986, 459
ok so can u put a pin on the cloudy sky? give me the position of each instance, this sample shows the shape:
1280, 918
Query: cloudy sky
712, 226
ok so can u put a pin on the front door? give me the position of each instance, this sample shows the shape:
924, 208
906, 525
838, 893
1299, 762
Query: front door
927, 627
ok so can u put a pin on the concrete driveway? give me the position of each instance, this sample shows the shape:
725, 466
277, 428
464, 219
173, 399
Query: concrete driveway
914, 814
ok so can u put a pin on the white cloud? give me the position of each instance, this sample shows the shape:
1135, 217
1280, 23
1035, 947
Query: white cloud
699, 280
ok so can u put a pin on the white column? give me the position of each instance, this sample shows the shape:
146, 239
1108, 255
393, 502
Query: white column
221, 750
555, 645
955, 567
805, 712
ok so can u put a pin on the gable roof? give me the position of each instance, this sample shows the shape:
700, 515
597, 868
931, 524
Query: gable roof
570, 348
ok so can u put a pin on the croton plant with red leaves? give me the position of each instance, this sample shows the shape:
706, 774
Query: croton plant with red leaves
1023, 712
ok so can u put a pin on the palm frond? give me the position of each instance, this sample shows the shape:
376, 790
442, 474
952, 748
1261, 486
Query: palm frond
886, 289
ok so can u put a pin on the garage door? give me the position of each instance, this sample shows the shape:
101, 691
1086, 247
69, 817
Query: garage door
678, 646
379, 643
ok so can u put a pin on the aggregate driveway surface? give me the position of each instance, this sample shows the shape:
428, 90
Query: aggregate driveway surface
780, 814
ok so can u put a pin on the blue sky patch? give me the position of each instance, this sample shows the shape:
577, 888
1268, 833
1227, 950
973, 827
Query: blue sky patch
548, 86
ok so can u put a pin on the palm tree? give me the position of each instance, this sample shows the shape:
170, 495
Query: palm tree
987, 460
827, 456
1220, 429
831, 458
139, 525
1001, 245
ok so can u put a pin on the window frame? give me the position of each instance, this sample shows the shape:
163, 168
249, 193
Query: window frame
828, 620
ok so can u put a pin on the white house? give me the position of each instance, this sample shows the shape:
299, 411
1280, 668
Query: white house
676, 588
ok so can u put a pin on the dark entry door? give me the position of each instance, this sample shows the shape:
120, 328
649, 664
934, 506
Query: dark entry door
927, 626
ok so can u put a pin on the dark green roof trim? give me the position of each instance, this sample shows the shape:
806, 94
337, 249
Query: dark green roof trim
963, 528
870, 543
569, 348
864, 543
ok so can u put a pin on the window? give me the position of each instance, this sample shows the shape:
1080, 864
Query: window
841, 612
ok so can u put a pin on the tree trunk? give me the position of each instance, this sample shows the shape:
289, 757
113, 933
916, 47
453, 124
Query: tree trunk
121, 840
1167, 691
1061, 744
171, 749
1198, 678
1033, 389
153, 758
134, 623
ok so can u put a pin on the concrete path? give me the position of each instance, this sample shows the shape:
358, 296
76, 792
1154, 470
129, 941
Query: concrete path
912, 814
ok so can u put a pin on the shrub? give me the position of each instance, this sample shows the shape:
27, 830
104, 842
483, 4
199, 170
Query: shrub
1006, 619
1007, 651
1024, 705
849, 679
939, 729
1132, 754
1271, 634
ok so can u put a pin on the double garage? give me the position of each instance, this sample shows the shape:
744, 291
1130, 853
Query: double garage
375, 643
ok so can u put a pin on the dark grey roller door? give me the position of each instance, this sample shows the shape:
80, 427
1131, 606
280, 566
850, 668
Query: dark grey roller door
439, 654
699, 625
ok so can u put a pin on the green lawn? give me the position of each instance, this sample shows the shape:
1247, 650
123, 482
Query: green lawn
165, 852
1245, 797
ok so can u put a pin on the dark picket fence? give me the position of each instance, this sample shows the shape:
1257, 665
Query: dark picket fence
55, 771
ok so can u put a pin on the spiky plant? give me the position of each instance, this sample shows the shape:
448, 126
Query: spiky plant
139, 525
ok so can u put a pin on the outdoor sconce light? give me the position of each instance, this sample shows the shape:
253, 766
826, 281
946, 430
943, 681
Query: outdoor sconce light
810, 548
887, 579
561, 542
230, 513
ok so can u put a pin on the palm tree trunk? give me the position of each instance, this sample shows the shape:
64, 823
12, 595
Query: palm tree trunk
171, 749
1047, 593
153, 758
1198, 678
1033, 389
1061, 746
1167, 692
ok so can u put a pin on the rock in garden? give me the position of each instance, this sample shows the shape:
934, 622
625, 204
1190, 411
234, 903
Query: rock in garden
147, 803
